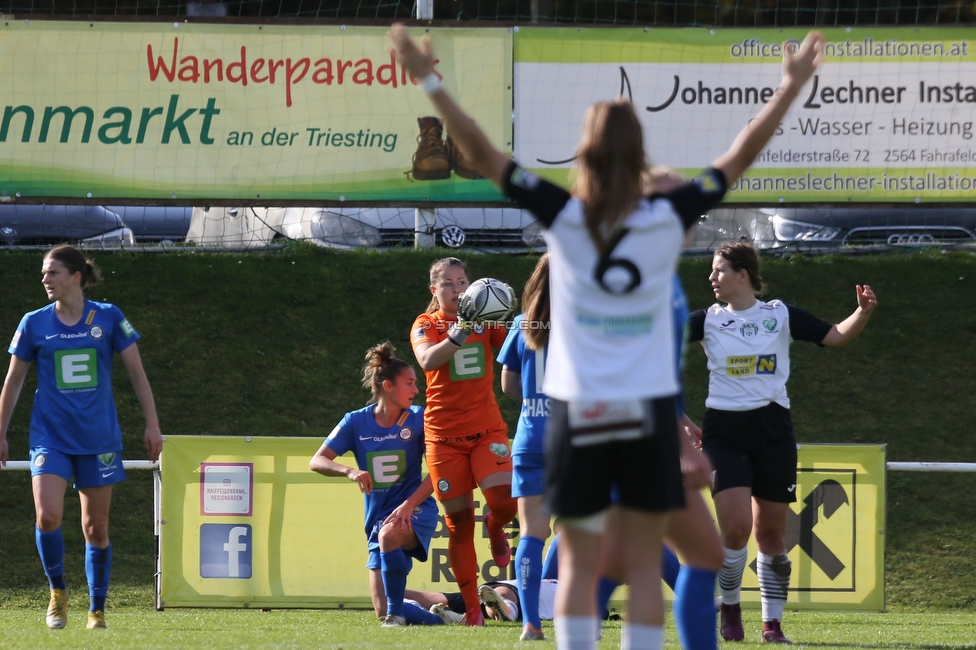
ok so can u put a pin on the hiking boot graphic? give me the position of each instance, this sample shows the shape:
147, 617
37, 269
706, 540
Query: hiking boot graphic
430, 162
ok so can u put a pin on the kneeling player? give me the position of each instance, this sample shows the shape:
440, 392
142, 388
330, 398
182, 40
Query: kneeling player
401, 515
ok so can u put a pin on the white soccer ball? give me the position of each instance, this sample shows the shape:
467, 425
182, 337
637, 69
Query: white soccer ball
491, 300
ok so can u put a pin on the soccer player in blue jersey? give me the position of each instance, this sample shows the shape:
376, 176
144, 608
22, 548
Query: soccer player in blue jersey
74, 429
387, 439
523, 359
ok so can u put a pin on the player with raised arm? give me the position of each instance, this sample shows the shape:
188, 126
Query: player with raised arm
613, 252
74, 430
387, 439
748, 432
467, 439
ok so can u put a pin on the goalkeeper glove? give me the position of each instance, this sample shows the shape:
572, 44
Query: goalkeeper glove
458, 332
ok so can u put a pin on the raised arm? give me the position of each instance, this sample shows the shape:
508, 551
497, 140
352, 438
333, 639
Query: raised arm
845, 331
419, 62
798, 67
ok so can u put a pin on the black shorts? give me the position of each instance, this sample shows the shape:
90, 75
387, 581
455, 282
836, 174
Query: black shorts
455, 602
643, 473
754, 449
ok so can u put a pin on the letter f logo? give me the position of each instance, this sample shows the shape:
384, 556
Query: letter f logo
233, 548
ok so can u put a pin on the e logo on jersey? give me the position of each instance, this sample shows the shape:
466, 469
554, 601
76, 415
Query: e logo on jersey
76, 368
386, 467
468, 362
127, 328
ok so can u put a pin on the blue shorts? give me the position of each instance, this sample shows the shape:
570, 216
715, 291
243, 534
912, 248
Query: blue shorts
528, 477
89, 470
424, 522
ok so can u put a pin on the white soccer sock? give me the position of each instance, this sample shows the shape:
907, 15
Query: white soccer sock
576, 632
774, 584
513, 610
637, 636
730, 577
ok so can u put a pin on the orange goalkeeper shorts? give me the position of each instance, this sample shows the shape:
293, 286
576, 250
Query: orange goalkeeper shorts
458, 465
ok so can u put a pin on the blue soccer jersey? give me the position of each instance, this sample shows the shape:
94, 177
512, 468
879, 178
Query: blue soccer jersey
74, 410
391, 455
679, 316
531, 365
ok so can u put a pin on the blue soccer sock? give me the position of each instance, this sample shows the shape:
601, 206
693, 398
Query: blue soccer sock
604, 589
550, 568
50, 546
528, 559
694, 608
98, 568
394, 568
415, 615
670, 566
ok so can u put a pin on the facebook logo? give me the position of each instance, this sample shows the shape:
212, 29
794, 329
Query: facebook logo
225, 551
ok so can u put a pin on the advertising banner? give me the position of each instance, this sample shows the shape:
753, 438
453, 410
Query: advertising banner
245, 523
887, 116
250, 112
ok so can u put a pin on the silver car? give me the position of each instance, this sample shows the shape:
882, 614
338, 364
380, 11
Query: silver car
45, 225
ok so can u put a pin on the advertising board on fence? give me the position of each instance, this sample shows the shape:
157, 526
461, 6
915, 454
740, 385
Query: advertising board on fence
246, 524
887, 117
183, 111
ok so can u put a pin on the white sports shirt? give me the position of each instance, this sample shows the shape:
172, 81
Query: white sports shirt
611, 336
749, 351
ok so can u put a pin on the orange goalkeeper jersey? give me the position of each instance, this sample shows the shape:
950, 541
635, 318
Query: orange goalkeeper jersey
460, 393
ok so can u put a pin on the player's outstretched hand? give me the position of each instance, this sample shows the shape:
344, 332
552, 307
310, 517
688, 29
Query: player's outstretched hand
866, 299
798, 66
419, 61
3, 453
153, 441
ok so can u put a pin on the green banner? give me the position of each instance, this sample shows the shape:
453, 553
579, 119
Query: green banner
246, 112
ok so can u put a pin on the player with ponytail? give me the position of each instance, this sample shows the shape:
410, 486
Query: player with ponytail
467, 439
74, 430
748, 429
523, 368
400, 514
